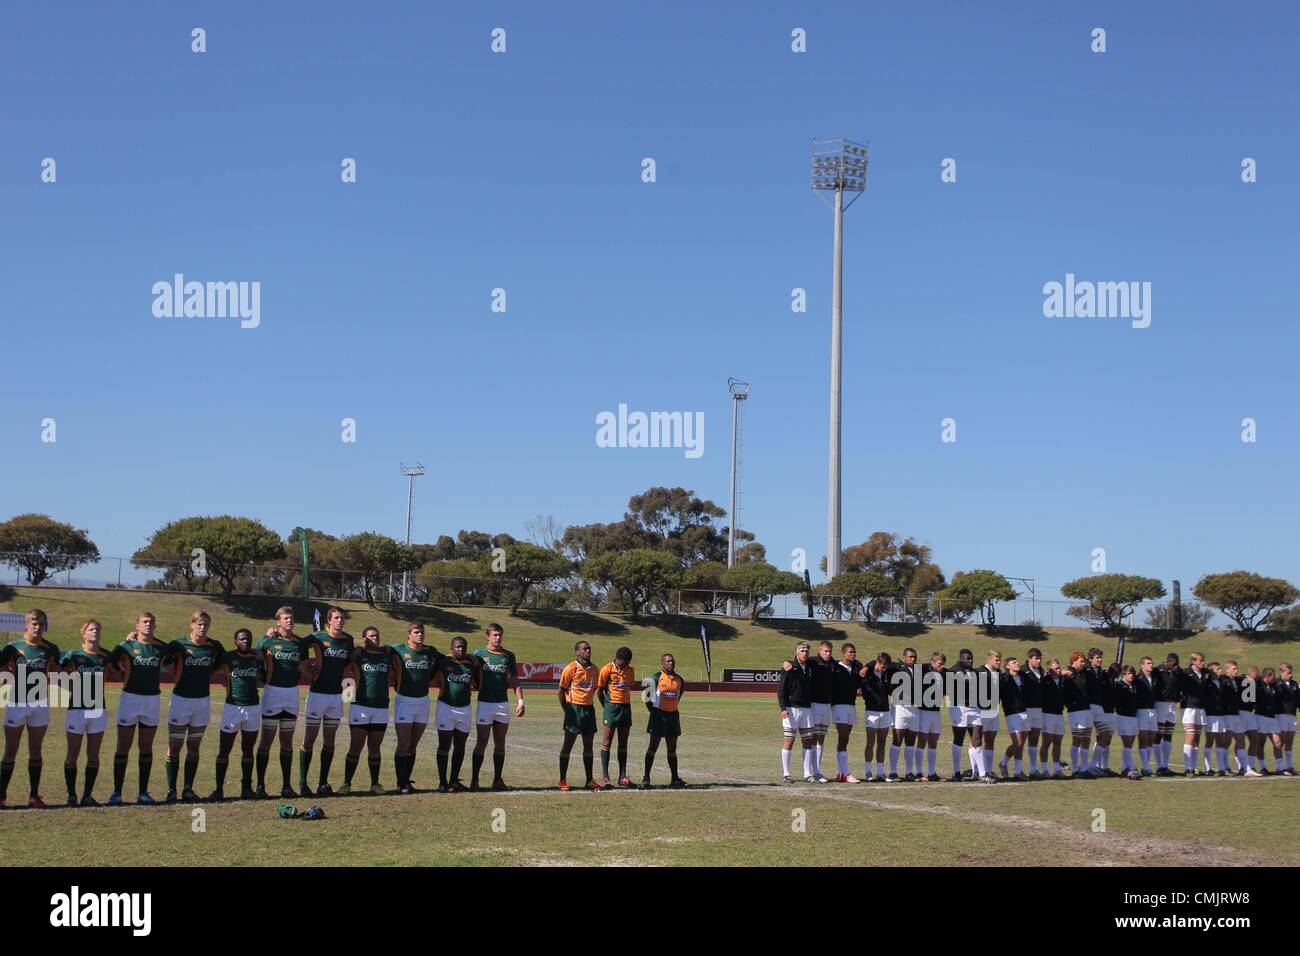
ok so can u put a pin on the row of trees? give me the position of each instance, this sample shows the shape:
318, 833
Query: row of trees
668, 550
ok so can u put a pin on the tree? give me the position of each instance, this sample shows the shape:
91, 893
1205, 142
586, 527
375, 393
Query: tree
1110, 597
373, 557
1196, 617
976, 590
904, 561
528, 564
760, 582
869, 591
1286, 620
41, 546
639, 576
1244, 596
701, 584
226, 545
459, 581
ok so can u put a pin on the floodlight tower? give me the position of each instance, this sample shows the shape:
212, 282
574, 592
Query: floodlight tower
411, 473
838, 166
739, 392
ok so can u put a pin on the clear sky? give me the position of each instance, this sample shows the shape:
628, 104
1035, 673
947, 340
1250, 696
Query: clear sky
523, 171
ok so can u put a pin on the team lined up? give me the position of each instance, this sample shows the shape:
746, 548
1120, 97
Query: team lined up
1238, 713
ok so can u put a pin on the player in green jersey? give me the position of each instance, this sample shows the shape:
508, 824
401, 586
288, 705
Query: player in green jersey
374, 669
497, 675
30, 660
87, 715
286, 662
411, 706
242, 670
455, 678
140, 657
193, 659
325, 699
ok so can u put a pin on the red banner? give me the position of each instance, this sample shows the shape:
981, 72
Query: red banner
539, 673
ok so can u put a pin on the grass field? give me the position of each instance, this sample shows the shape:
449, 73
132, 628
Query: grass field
735, 813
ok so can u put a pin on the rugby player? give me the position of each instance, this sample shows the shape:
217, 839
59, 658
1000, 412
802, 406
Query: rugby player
907, 719
794, 697
1168, 680
1147, 725
846, 681
613, 688
411, 705
1079, 708
194, 658
1101, 700
1237, 719
665, 723
877, 720
1191, 690
1126, 719
34, 655
375, 669
961, 712
87, 717
577, 691
1218, 730
242, 671
140, 658
1012, 694
1053, 699
286, 659
822, 668
927, 734
455, 675
497, 676
1248, 688
1288, 695
1032, 679
334, 648
988, 717
1267, 707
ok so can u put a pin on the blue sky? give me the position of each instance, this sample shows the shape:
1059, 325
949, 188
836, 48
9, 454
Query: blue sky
522, 171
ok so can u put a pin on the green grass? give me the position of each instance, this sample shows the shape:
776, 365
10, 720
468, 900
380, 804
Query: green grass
736, 813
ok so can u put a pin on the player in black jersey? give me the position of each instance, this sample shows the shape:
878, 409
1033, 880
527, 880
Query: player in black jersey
1288, 695
846, 681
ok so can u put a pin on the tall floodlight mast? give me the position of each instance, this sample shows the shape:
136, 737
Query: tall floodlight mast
411, 473
838, 166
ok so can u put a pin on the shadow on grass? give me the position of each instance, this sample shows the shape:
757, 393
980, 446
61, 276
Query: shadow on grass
806, 628
684, 625
7, 593
263, 607
573, 622
1014, 632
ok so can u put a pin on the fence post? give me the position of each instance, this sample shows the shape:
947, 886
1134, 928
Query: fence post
119, 572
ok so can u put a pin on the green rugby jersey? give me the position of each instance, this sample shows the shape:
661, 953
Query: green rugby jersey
373, 668
285, 654
86, 664
197, 661
143, 664
244, 671
336, 654
493, 669
43, 657
456, 678
417, 669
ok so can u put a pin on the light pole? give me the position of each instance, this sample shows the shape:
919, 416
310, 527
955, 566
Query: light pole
838, 166
411, 473
739, 392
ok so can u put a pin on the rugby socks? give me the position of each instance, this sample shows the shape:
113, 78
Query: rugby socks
286, 766
223, 764
650, 762
304, 763
785, 763
326, 758
350, 767
191, 768
458, 757
1002, 765
932, 759
1033, 760
974, 754
92, 771
146, 768
1126, 759
1244, 762
70, 778
119, 772
34, 775
263, 758
986, 760
374, 770
441, 760
475, 763
622, 763
672, 764
246, 769
1189, 757
1020, 766
1144, 758
1221, 758
169, 765
807, 762
842, 762
817, 759
604, 761
893, 760
498, 763
6, 772
564, 766
1287, 754
587, 763
956, 758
